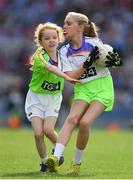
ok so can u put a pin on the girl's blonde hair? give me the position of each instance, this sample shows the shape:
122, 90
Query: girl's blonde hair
41, 27
39, 34
90, 28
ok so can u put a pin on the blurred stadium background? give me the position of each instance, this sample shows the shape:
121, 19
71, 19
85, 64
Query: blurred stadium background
18, 20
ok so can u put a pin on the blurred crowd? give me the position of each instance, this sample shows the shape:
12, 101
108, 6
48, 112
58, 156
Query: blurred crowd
18, 20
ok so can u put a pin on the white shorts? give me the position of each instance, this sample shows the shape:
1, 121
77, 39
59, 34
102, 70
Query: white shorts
42, 105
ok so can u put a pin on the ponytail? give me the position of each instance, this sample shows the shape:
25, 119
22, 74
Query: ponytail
91, 30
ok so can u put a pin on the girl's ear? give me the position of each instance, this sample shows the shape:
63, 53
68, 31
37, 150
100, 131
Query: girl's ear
81, 28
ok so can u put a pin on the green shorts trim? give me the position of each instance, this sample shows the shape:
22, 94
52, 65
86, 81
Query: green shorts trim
100, 89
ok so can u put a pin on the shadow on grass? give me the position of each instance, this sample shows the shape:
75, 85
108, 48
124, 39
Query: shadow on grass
39, 175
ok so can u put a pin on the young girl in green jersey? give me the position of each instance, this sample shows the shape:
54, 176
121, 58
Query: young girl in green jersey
93, 96
44, 97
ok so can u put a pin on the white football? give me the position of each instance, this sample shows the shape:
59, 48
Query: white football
103, 49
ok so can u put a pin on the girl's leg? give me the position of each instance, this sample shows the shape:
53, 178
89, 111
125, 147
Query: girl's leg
37, 125
77, 110
48, 128
92, 113
49, 131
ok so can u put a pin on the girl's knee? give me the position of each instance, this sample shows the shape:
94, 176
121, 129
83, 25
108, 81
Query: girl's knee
38, 134
84, 125
49, 132
72, 120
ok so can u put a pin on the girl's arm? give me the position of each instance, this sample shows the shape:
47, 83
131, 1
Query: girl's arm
94, 54
56, 71
77, 73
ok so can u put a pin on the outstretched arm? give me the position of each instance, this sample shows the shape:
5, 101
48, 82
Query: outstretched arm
56, 71
77, 73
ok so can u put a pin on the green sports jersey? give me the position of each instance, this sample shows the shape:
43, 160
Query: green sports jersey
44, 81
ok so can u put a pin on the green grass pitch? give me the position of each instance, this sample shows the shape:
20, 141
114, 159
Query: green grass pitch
108, 155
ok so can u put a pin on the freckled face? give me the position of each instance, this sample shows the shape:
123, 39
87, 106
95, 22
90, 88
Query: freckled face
50, 40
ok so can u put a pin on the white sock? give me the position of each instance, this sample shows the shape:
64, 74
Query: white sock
78, 155
59, 149
43, 160
62, 154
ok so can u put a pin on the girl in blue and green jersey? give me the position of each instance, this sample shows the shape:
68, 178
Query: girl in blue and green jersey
44, 97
